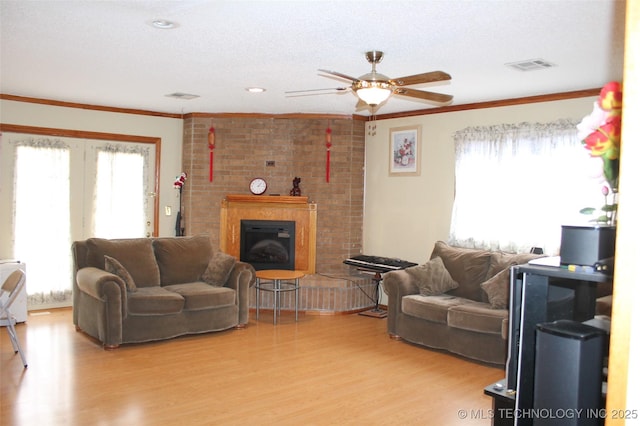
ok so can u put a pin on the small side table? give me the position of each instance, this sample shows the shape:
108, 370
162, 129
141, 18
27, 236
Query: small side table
278, 281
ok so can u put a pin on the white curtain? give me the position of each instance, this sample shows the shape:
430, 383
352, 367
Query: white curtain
42, 236
517, 184
119, 208
114, 187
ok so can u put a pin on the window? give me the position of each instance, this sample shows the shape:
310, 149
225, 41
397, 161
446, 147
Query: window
120, 181
66, 189
517, 184
42, 227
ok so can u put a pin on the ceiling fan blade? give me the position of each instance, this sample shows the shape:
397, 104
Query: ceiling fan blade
337, 89
339, 74
427, 77
422, 94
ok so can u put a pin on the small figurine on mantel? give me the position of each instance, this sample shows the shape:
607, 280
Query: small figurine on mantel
295, 191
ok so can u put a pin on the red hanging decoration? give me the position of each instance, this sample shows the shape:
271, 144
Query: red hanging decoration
328, 145
212, 144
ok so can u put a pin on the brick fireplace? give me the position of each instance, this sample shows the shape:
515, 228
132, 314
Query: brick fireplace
279, 148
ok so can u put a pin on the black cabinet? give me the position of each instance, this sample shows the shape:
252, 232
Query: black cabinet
539, 294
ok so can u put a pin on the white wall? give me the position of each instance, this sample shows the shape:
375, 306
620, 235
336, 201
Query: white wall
405, 216
168, 129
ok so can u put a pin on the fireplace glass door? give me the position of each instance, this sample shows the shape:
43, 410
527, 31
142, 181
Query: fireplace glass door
268, 244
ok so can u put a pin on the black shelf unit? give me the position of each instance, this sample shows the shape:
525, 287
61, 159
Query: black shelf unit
538, 295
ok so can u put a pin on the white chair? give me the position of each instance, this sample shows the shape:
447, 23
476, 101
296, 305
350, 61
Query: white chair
12, 285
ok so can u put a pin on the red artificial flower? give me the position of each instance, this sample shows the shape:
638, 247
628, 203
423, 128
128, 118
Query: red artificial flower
611, 97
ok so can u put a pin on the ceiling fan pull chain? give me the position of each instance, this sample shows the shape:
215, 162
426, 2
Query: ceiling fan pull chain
372, 118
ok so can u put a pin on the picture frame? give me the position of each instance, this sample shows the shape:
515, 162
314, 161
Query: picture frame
405, 151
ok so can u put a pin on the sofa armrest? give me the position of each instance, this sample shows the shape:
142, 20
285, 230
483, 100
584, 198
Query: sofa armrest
103, 286
241, 278
396, 285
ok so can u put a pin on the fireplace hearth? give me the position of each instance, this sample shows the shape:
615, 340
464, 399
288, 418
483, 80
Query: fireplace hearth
268, 244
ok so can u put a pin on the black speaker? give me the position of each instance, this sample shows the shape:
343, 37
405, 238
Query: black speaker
568, 374
586, 245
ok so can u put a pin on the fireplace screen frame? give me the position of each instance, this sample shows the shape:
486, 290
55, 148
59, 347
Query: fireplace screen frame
273, 228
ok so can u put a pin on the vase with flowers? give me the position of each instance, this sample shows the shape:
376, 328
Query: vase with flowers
599, 132
600, 135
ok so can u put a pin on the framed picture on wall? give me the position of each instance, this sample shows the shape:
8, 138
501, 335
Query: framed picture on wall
404, 151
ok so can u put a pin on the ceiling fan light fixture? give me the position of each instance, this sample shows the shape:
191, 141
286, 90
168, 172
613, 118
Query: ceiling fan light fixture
372, 92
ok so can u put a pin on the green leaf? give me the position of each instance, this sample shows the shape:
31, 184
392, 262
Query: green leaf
602, 219
587, 210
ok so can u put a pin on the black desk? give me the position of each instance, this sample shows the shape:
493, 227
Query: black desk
529, 305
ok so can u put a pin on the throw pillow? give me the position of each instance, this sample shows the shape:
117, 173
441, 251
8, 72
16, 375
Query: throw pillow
218, 269
112, 266
497, 289
432, 277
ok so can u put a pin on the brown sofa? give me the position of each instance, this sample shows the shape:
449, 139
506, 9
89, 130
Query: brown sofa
144, 289
456, 302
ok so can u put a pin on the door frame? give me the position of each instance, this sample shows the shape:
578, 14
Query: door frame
83, 134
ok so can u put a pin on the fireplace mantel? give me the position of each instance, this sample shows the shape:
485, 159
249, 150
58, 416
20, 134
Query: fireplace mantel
236, 207
278, 199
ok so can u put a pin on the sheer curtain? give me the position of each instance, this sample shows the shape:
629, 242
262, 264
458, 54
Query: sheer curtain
41, 212
119, 208
517, 184
50, 211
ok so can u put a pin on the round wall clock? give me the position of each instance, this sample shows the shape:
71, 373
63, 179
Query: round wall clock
258, 186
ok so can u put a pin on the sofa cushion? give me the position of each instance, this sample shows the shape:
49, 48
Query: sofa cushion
432, 277
154, 301
182, 259
478, 317
199, 295
112, 266
505, 329
431, 308
135, 255
497, 289
501, 260
218, 269
468, 267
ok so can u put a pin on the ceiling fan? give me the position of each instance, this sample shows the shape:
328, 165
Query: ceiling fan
374, 88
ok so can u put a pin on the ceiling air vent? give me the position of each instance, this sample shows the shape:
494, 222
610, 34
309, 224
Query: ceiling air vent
184, 96
531, 65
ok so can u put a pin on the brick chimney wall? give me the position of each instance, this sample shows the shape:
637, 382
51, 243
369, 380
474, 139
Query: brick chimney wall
244, 144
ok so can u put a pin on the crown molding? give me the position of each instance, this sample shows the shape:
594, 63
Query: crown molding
427, 111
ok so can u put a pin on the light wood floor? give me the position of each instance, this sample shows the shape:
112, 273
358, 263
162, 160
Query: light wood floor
323, 370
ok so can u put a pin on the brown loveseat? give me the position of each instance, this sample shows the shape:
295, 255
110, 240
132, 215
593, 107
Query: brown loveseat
143, 289
457, 301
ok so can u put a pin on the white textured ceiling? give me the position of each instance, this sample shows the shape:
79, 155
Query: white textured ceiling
105, 53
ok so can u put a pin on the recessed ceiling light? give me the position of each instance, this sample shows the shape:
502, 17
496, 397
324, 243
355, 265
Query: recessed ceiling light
163, 24
255, 89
